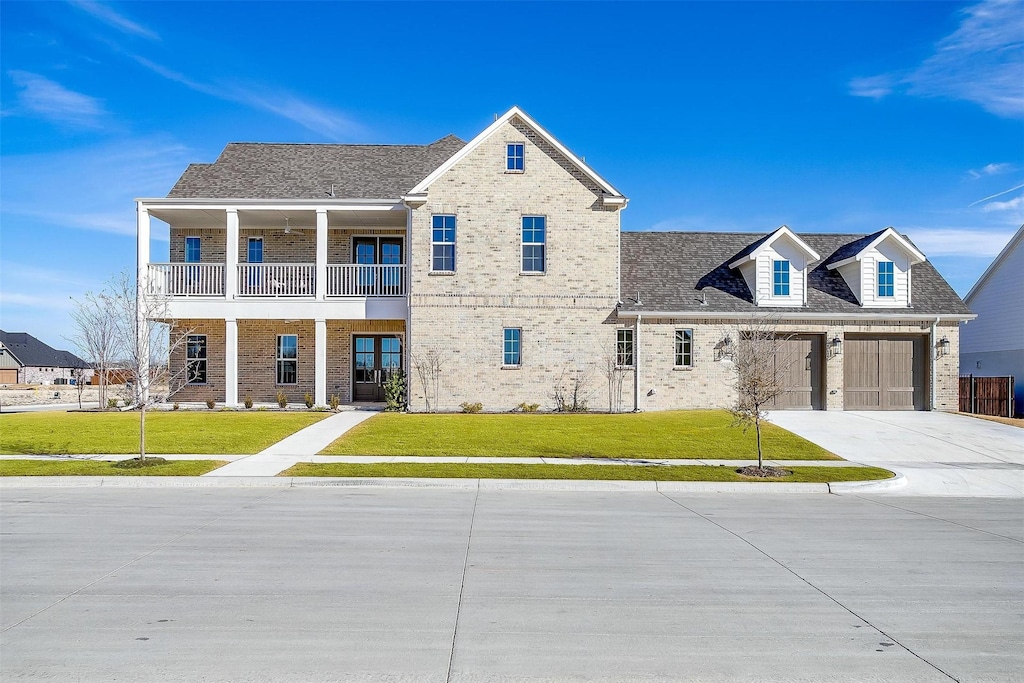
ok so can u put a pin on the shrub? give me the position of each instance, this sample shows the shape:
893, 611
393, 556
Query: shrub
210, 403
394, 392
319, 409
282, 399
335, 401
176, 406
471, 407
528, 407
247, 401
261, 409
111, 403
307, 398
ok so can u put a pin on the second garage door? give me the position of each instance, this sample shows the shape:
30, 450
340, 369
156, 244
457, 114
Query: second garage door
884, 373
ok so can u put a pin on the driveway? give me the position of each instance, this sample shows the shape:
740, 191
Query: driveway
939, 453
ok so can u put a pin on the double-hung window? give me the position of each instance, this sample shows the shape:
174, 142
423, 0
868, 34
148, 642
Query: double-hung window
684, 349
195, 359
443, 244
624, 348
780, 278
514, 157
192, 250
287, 359
512, 347
534, 238
886, 281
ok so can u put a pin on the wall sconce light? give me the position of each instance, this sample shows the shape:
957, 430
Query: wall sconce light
836, 346
943, 346
723, 349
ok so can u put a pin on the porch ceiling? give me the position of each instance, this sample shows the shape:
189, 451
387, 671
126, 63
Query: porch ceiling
300, 219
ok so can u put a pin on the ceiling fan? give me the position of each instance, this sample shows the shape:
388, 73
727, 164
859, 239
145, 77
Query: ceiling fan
288, 229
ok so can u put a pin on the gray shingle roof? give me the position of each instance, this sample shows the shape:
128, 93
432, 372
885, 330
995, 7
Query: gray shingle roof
670, 270
34, 353
250, 170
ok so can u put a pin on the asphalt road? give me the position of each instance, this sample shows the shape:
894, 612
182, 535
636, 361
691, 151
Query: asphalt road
432, 585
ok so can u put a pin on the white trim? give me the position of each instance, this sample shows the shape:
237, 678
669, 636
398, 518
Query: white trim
692, 363
523, 244
796, 315
319, 362
230, 362
454, 243
353, 204
278, 359
915, 255
996, 262
783, 230
424, 184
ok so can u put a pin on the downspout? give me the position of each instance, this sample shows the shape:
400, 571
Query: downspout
934, 357
636, 366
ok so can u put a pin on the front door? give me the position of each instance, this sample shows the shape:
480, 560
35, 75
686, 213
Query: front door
375, 358
379, 251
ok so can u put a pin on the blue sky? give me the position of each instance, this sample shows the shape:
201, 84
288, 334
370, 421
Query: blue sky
844, 117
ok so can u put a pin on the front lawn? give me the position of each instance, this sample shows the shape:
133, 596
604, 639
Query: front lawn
99, 468
50, 433
810, 474
676, 434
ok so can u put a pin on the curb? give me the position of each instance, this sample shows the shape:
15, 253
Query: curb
439, 483
899, 481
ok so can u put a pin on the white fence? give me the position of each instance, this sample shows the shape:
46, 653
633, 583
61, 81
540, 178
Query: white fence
366, 280
186, 279
276, 279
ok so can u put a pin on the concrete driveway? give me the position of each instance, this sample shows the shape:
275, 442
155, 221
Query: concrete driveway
939, 453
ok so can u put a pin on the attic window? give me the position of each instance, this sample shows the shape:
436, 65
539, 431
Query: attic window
780, 278
514, 154
885, 278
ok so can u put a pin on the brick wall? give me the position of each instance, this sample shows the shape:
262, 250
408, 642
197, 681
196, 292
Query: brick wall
295, 247
212, 244
339, 350
215, 341
257, 359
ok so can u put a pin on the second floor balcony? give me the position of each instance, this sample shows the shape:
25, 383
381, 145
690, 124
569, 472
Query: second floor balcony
276, 280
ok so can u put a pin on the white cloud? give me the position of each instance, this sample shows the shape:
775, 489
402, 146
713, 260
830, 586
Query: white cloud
108, 16
958, 241
991, 169
42, 97
997, 194
981, 62
1015, 204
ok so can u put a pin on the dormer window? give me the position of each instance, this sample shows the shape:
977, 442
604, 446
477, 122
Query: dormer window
514, 157
886, 280
780, 278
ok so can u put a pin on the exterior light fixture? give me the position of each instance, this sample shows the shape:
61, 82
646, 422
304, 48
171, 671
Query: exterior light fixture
723, 349
837, 346
943, 346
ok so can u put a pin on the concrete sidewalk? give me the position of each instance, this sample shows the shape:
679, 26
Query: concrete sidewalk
298, 447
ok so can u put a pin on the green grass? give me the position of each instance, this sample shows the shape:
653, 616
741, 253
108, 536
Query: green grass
95, 468
167, 432
676, 434
808, 474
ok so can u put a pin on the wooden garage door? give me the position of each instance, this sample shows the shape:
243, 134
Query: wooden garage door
884, 373
798, 362
9, 376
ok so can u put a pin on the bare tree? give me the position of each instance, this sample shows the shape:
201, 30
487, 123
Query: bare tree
78, 374
429, 364
615, 374
759, 365
572, 389
95, 335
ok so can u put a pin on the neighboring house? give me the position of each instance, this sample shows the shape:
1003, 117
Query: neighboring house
993, 345
26, 360
495, 271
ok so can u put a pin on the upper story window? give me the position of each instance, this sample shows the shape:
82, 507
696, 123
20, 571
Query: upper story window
192, 250
624, 348
443, 244
684, 349
780, 278
255, 254
512, 347
287, 359
514, 156
886, 279
534, 238
195, 359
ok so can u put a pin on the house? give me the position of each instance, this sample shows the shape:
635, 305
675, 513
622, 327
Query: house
26, 360
993, 345
496, 271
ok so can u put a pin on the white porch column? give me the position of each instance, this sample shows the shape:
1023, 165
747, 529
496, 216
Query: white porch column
320, 360
141, 284
231, 362
321, 257
231, 255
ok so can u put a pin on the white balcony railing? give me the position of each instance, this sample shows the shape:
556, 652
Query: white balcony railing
276, 279
186, 279
366, 280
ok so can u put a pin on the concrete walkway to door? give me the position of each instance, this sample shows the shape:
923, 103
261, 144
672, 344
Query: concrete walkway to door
939, 453
295, 448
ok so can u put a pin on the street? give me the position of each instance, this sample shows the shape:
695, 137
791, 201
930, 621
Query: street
391, 584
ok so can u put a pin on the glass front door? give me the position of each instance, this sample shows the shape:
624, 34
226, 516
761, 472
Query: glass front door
375, 358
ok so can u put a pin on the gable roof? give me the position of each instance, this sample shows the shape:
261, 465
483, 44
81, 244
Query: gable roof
253, 170
674, 271
33, 353
996, 262
751, 253
855, 251
612, 196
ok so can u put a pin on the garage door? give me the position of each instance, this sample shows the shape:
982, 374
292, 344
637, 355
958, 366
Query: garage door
884, 373
9, 376
798, 363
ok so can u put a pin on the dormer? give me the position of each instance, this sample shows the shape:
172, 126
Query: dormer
775, 268
877, 269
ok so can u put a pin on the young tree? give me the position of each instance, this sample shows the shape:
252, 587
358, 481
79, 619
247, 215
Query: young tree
759, 364
572, 391
429, 365
615, 374
95, 335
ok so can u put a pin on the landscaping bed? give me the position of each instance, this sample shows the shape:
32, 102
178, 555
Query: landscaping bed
167, 432
693, 434
102, 468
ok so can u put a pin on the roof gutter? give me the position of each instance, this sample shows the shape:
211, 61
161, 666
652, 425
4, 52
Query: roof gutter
721, 315
206, 202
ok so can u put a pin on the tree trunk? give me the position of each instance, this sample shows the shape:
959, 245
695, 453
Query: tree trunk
142, 433
757, 428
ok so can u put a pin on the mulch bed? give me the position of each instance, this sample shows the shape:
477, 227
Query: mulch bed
763, 472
